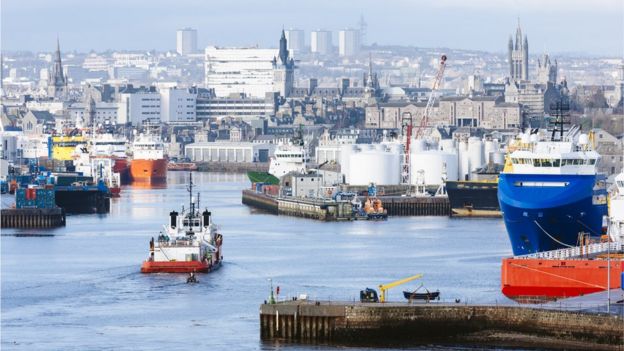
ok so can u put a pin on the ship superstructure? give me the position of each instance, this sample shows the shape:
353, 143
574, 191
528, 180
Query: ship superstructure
190, 242
550, 191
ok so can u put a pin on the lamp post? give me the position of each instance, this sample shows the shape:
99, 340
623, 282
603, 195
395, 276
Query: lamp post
271, 296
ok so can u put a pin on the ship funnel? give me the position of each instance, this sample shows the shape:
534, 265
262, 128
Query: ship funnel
206, 214
173, 215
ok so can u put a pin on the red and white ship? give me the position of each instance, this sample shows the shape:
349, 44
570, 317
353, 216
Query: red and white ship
572, 271
148, 162
113, 147
189, 243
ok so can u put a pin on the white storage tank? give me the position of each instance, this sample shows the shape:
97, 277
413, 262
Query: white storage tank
434, 163
464, 160
447, 145
418, 145
498, 157
475, 152
374, 166
345, 156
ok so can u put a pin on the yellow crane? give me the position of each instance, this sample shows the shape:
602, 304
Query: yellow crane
384, 287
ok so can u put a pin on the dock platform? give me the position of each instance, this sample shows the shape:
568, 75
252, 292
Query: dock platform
33, 217
331, 210
439, 323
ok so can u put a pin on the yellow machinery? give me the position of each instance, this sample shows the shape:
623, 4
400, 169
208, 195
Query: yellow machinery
63, 147
384, 287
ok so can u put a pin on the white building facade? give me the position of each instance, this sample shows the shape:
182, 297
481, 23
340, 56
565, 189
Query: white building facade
321, 42
228, 152
186, 41
348, 42
239, 71
296, 40
139, 108
177, 105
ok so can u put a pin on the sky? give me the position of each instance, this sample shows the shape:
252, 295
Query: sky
592, 27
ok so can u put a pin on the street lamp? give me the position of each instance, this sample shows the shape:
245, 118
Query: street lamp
271, 296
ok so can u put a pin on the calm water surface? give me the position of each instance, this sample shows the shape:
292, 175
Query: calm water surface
81, 289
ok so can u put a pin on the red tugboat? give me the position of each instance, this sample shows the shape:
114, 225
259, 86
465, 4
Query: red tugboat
189, 243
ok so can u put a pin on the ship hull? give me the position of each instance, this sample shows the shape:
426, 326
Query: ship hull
547, 212
473, 199
148, 170
178, 266
122, 167
535, 279
75, 200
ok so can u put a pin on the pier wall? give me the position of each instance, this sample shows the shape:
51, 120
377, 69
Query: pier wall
330, 211
32, 218
260, 200
335, 322
416, 206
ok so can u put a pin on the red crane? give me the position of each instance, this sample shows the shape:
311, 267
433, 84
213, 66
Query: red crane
407, 124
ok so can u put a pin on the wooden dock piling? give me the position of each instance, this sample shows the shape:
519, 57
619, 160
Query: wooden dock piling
32, 218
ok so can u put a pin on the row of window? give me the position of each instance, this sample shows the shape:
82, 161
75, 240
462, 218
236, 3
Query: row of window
549, 162
289, 155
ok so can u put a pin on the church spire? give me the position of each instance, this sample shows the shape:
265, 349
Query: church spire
283, 51
58, 81
370, 70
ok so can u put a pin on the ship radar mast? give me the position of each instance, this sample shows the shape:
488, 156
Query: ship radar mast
561, 111
190, 190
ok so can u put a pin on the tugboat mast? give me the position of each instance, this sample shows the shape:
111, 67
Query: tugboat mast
190, 190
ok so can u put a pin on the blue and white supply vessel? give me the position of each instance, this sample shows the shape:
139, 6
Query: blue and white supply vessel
550, 191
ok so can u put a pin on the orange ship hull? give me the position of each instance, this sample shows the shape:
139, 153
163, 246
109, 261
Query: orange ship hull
536, 279
178, 267
148, 170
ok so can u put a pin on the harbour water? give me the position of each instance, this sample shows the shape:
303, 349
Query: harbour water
80, 288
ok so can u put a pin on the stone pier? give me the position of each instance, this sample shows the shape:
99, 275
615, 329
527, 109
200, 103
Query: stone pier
372, 324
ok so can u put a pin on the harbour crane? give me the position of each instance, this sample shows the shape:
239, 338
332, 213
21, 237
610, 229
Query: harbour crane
436, 85
370, 295
407, 123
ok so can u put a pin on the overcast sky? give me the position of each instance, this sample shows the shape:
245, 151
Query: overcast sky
594, 27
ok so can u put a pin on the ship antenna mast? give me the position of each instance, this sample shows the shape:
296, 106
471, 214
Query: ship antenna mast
190, 190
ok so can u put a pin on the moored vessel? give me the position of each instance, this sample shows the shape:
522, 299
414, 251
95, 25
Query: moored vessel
572, 271
190, 242
477, 198
288, 157
550, 191
148, 163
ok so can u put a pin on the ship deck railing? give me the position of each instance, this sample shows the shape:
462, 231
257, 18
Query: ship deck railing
577, 251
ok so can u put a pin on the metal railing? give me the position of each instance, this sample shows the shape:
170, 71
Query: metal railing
576, 252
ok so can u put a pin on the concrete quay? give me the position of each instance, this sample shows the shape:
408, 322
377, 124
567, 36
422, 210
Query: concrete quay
332, 211
416, 324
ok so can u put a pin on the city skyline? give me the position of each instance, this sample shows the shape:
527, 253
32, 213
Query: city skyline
555, 27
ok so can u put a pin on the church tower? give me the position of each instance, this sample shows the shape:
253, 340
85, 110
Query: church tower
518, 55
371, 83
546, 71
57, 84
283, 69
90, 111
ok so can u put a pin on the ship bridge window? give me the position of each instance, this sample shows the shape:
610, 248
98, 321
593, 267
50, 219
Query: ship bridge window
592, 161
